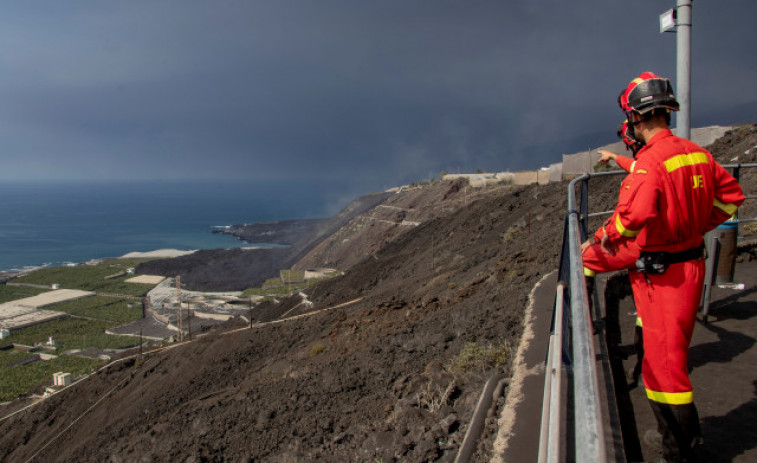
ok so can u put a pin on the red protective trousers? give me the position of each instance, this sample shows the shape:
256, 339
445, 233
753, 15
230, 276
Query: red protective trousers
668, 303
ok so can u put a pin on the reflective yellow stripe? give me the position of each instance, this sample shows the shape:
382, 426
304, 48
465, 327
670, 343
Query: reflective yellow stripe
589, 272
623, 230
638, 322
633, 164
683, 160
673, 398
729, 209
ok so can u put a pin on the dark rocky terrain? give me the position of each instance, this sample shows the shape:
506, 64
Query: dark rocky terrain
285, 232
384, 363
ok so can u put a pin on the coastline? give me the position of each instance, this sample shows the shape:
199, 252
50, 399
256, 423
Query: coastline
277, 233
167, 253
55, 223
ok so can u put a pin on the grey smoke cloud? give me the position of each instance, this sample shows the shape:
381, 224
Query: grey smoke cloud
369, 94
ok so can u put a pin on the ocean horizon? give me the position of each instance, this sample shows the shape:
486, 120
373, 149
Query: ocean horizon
59, 223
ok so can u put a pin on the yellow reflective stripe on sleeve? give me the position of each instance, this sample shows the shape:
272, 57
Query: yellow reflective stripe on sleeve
623, 230
638, 322
672, 398
633, 164
729, 209
589, 272
683, 160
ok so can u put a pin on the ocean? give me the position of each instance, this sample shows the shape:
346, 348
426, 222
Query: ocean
56, 223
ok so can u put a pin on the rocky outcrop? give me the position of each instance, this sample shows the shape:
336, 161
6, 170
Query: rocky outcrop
285, 232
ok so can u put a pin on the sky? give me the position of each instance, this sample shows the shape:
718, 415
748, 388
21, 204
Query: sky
362, 95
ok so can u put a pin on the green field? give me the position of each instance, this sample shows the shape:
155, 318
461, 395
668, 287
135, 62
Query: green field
13, 293
73, 333
16, 381
278, 287
91, 316
102, 308
90, 277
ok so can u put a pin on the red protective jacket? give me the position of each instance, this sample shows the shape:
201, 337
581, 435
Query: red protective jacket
628, 165
597, 261
677, 192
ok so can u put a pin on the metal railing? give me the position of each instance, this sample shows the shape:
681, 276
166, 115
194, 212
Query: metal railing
571, 340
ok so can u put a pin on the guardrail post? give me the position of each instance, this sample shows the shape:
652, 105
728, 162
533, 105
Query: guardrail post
584, 209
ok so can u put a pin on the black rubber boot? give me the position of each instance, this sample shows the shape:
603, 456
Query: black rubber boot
590, 284
681, 434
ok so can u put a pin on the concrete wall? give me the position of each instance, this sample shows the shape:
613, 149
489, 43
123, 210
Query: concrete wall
584, 161
61, 379
574, 164
525, 177
319, 273
555, 172
504, 177
212, 316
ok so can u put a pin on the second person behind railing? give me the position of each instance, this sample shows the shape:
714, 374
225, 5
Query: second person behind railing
596, 261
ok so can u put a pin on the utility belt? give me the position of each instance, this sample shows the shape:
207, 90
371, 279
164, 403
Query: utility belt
658, 261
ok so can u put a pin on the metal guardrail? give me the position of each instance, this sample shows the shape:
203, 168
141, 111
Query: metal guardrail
736, 173
589, 438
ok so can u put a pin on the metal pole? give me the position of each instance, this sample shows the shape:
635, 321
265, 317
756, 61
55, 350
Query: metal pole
710, 275
683, 67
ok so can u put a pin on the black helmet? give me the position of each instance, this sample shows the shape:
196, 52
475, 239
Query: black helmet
648, 92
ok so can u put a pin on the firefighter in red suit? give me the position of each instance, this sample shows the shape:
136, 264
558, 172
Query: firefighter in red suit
596, 261
675, 194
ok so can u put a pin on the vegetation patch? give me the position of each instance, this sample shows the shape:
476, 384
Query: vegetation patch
17, 381
292, 276
475, 358
88, 277
73, 333
511, 234
11, 356
290, 282
116, 310
317, 348
14, 293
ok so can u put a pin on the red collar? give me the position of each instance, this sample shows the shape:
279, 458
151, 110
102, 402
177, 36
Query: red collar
665, 133
662, 134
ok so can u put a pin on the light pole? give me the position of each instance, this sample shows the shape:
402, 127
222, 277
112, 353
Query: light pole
683, 67
678, 20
